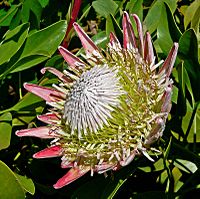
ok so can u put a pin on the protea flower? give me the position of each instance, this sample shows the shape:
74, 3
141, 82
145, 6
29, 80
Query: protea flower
108, 109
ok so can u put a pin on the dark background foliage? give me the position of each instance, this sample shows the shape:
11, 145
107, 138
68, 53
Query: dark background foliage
31, 31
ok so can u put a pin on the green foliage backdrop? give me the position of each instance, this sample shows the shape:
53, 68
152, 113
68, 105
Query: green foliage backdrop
31, 31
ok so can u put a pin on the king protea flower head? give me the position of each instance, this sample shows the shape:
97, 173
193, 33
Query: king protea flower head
109, 109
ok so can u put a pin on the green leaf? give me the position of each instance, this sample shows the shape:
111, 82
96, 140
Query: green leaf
16, 20
185, 165
104, 8
38, 47
152, 20
10, 187
190, 12
191, 124
27, 103
43, 3
188, 46
188, 51
119, 184
27, 109
26, 183
13, 40
119, 179
196, 20
163, 177
176, 173
174, 94
159, 165
5, 130
166, 153
187, 83
27, 62
167, 31
100, 39
31, 11
181, 109
135, 7
172, 4
113, 26
5, 20
45, 42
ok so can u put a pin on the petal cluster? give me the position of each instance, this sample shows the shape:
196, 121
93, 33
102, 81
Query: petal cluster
107, 109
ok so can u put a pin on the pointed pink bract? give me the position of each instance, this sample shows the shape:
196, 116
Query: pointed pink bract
87, 43
40, 132
53, 151
65, 166
166, 99
71, 59
169, 62
114, 40
48, 94
129, 37
140, 34
48, 118
148, 49
54, 71
72, 175
104, 167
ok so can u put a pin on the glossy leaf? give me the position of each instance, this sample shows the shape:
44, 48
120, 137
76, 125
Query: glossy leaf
185, 165
100, 39
196, 20
181, 109
27, 109
188, 46
159, 165
45, 42
172, 4
39, 46
188, 50
43, 3
113, 26
166, 153
190, 12
176, 173
25, 63
13, 40
31, 8
9, 184
191, 123
120, 177
6, 19
104, 8
167, 31
26, 183
135, 7
152, 20
5, 130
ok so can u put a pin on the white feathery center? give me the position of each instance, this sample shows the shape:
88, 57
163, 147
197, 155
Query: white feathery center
91, 100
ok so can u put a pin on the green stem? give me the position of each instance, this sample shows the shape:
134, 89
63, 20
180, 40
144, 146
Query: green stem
192, 119
20, 87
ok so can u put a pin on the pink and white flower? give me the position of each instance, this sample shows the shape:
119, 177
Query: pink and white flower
107, 110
